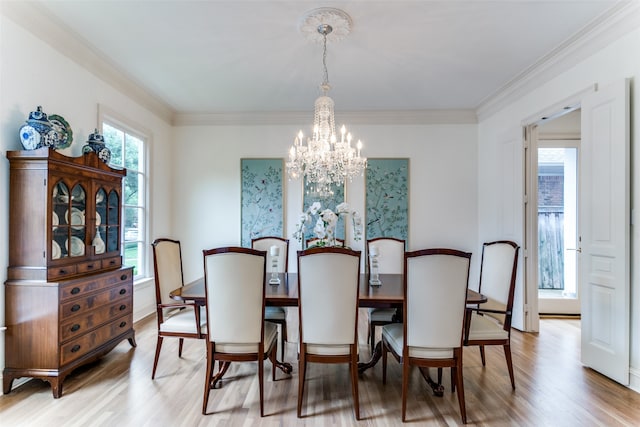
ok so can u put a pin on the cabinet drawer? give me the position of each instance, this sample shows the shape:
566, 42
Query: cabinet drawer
82, 345
112, 262
79, 325
62, 271
89, 266
78, 288
82, 306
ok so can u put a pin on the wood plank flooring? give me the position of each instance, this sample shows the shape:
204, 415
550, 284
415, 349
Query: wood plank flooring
553, 389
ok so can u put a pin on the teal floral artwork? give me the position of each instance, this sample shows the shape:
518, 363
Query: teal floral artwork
387, 198
330, 201
262, 212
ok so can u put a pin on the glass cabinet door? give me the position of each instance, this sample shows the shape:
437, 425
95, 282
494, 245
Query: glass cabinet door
68, 221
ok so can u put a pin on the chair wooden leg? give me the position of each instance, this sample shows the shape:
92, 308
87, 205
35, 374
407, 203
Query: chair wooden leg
482, 355
302, 368
353, 368
453, 380
460, 384
180, 343
155, 360
372, 336
273, 357
208, 378
283, 338
507, 355
384, 361
405, 388
261, 381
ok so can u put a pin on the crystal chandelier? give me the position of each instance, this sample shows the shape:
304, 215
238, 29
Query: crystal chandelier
326, 160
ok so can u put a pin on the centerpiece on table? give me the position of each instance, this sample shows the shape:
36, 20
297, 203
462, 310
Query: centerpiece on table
325, 223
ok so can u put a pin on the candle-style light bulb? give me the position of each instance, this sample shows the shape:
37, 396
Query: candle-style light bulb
359, 146
300, 137
343, 130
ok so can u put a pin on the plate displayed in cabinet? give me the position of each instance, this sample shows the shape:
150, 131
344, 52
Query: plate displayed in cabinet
56, 251
77, 218
55, 221
77, 246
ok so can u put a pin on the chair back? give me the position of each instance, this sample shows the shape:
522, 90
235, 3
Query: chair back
328, 282
234, 289
390, 254
498, 277
167, 268
265, 244
435, 286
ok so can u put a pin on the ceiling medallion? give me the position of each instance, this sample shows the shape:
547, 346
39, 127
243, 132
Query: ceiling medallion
339, 21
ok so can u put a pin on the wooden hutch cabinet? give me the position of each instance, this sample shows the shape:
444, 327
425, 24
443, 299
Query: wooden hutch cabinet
68, 299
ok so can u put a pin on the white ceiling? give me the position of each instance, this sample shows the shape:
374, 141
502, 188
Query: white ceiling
249, 56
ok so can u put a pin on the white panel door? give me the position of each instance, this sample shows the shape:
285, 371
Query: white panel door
605, 219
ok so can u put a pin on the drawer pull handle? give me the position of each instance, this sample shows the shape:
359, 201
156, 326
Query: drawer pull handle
123, 291
75, 307
123, 277
90, 266
123, 324
112, 262
62, 271
75, 348
75, 290
122, 307
75, 327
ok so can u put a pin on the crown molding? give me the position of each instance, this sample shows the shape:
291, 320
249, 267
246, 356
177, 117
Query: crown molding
50, 30
602, 31
412, 117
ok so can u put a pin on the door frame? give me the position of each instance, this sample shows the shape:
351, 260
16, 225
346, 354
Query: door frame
530, 211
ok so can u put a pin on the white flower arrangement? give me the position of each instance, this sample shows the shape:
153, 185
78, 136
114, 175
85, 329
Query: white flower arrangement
325, 224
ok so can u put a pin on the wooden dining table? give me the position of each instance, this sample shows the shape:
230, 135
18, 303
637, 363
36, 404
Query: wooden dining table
389, 294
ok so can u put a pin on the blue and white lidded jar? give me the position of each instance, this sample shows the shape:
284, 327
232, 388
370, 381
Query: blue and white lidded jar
96, 144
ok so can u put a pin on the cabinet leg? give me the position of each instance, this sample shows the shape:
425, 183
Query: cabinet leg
7, 382
132, 341
56, 386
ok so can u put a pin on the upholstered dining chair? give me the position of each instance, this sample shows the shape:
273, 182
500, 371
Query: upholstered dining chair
435, 291
490, 323
276, 315
237, 331
175, 319
328, 282
390, 260
313, 242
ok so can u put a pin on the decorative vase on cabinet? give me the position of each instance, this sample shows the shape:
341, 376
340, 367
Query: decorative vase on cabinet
68, 299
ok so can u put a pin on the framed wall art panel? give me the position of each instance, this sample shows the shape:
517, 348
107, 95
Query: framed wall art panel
387, 198
262, 199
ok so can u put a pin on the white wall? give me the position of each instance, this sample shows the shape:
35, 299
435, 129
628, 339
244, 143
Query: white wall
442, 183
31, 74
617, 61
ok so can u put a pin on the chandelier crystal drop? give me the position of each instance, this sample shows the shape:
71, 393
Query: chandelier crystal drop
325, 159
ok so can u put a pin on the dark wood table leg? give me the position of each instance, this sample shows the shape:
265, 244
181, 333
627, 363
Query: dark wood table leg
284, 366
438, 389
222, 369
375, 357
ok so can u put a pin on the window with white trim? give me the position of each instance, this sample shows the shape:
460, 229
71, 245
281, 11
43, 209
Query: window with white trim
128, 150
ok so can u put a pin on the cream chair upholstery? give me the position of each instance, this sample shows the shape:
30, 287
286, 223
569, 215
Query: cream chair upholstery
435, 289
328, 283
490, 323
234, 289
181, 320
276, 315
390, 261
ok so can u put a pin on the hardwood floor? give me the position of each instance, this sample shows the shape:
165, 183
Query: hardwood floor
553, 389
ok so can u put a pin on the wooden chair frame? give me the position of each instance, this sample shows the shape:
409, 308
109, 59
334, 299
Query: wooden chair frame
161, 307
281, 322
508, 312
371, 328
225, 358
455, 363
304, 356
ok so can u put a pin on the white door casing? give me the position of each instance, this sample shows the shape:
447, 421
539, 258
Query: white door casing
605, 227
